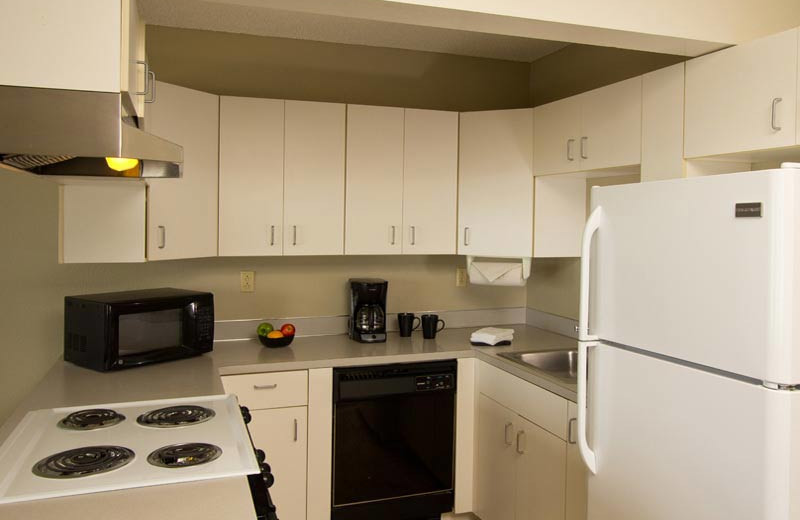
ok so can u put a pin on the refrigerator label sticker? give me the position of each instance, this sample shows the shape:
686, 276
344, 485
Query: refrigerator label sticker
748, 209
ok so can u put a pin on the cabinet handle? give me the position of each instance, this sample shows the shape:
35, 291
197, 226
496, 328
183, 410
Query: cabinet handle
162, 237
570, 157
394, 234
272, 235
466, 236
569, 430
522, 442
294, 235
774, 115
146, 78
584, 143
295, 430
152, 76
509, 429
413, 235
273, 386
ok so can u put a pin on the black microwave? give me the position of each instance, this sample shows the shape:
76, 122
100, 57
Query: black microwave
118, 330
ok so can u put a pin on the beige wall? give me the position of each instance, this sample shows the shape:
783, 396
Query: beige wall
258, 66
34, 284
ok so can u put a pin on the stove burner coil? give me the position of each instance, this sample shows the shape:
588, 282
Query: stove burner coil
81, 462
91, 419
184, 455
174, 416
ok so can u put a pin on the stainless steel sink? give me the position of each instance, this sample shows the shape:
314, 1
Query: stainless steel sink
560, 363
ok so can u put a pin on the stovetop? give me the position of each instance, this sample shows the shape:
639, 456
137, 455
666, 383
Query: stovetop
88, 449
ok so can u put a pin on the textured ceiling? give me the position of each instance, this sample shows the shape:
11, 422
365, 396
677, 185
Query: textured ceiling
207, 15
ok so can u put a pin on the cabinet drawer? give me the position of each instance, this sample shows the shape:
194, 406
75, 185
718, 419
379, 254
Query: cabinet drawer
269, 390
543, 408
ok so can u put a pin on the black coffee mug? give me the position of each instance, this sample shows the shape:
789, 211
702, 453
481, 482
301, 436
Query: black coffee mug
405, 322
430, 325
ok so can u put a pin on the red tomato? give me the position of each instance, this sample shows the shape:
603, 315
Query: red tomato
288, 329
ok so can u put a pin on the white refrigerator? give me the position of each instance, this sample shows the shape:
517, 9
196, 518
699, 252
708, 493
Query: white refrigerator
689, 353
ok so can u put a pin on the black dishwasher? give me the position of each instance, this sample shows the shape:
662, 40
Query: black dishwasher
393, 441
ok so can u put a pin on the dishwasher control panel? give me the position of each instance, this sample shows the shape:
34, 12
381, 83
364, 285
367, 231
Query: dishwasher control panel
434, 382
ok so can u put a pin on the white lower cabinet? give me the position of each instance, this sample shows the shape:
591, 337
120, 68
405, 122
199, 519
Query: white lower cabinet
525, 465
279, 405
577, 483
282, 434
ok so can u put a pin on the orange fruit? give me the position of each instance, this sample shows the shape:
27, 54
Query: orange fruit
275, 334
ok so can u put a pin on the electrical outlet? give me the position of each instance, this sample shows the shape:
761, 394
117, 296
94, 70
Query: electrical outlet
247, 281
461, 277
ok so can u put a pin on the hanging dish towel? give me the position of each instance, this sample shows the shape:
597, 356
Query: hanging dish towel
510, 274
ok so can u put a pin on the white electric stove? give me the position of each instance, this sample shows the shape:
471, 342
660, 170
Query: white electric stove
91, 449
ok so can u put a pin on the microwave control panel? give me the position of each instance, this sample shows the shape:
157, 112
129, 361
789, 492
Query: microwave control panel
434, 382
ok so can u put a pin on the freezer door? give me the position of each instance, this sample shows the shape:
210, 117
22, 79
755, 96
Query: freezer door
674, 442
677, 269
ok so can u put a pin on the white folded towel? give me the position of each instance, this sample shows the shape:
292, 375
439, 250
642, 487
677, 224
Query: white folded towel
492, 335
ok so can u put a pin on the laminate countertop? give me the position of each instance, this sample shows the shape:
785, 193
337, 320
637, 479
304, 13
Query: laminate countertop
69, 385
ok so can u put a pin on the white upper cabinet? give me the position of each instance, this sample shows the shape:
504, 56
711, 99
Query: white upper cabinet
374, 194
88, 45
430, 182
495, 190
559, 215
662, 123
314, 178
182, 213
611, 125
598, 129
743, 98
133, 72
557, 128
102, 221
250, 176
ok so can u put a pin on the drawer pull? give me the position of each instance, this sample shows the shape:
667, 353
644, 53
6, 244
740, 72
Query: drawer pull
273, 386
570, 439
522, 442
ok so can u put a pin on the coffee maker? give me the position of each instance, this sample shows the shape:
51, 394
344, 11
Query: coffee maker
368, 309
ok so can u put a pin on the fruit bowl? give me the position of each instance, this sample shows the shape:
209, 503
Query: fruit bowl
285, 341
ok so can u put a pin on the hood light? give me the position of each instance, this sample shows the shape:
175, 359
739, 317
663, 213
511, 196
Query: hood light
121, 164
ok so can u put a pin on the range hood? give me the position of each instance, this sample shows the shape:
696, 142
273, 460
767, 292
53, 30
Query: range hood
71, 132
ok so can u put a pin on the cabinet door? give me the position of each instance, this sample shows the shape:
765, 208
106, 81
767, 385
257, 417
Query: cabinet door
730, 95
430, 182
577, 476
63, 45
611, 125
495, 190
133, 75
559, 215
555, 136
250, 176
313, 196
182, 213
495, 460
102, 221
541, 473
662, 123
282, 434
374, 198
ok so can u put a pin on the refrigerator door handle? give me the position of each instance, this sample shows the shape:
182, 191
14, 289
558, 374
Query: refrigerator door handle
587, 454
592, 225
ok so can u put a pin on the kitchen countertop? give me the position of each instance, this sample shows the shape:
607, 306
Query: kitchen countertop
69, 385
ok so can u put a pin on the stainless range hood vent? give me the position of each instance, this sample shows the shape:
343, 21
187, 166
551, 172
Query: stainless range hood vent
70, 132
